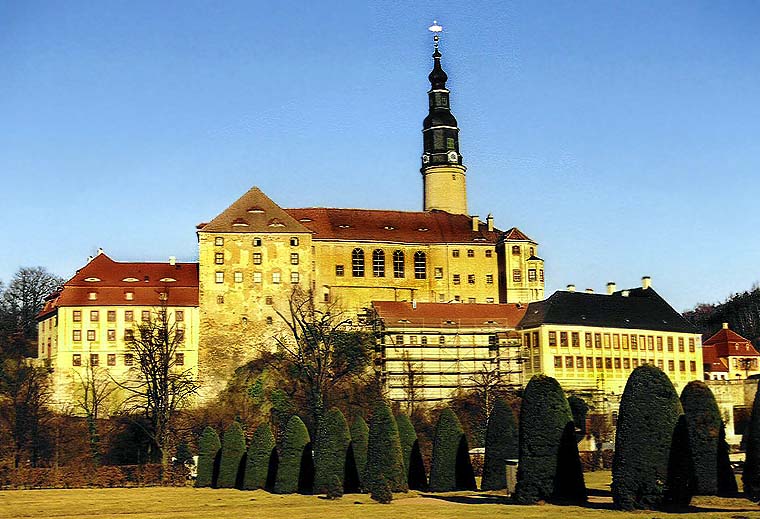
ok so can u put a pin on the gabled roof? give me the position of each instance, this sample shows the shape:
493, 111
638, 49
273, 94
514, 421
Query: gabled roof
711, 362
254, 212
395, 314
637, 308
727, 343
515, 234
110, 281
392, 226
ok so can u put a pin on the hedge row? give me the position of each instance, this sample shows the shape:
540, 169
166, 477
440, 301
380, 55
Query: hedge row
81, 476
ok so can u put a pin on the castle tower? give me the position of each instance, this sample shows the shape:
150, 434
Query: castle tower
443, 174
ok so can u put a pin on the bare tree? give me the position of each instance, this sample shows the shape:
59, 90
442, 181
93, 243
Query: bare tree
24, 297
412, 382
319, 349
95, 388
158, 386
488, 384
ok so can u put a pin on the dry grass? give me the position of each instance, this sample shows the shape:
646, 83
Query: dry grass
190, 503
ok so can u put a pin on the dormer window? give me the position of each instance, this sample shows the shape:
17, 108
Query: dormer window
167, 280
129, 296
239, 222
344, 226
423, 229
92, 279
255, 210
389, 228
274, 222
92, 296
257, 242
305, 220
294, 241
130, 280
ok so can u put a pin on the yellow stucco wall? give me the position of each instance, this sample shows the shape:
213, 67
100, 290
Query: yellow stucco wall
445, 188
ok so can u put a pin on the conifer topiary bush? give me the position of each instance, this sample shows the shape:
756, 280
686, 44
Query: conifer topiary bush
649, 412
296, 446
414, 466
579, 408
259, 470
359, 440
333, 439
384, 457
450, 469
751, 474
703, 423
233, 450
501, 445
549, 467
209, 448
381, 492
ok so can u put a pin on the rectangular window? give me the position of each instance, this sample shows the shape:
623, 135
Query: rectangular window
692, 365
129, 334
238, 276
179, 359
111, 334
650, 342
471, 279
441, 340
76, 359
616, 341
607, 340
691, 345
413, 339
659, 343
339, 270
598, 362
111, 316
597, 340
94, 359
568, 362
578, 362
541, 275
179, 336
276, 277
257, 258
643, 342
563, 339
294, 258
625, 342
516, 275
626, 363
527, 340
471, 300
516, 250
145, 315
219, 277
77, 316
536, 362
552, 339
670, 343
423, 340
617, 363
269, 300
129, 295
179, 315
671, 365
129, 359
489, 299
76, 335
257, 242
94, 315
557, 362
219, 258
218, 241
635, 363
682, 365
470, 253
531, 274
111, 359
589, 362
489, 253
587, 340
294, 277
257, 277
576, 339
608, 363
92, 296
455, 253
489, 279
535, 340
438, 272
455, 279
294, 241
680, 345
399, 339
634, 343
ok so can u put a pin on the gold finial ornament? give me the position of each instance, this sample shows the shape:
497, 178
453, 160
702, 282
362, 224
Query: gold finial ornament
436, 30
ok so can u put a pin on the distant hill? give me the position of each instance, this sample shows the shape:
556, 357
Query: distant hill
740, 311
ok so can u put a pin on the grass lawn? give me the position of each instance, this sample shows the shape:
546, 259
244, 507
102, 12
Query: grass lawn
125, 503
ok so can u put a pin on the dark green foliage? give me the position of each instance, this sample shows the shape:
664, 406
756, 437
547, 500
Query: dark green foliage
294, 448
726, 478
680, 486
649, 411
333, 439
183, 456
569, 486
381, 492
335, 488
501, 445
414, 467
407, 435
544, 418
359, 439
259, 458
447, 468
233, 449
579, 408
384, 457
751, 474
209, 447
703, 422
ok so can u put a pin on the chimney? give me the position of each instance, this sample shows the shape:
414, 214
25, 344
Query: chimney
100, 251
589, 290
172, 260
646, 282
489, 222
725, 326
475, 222
571, 288
611, 287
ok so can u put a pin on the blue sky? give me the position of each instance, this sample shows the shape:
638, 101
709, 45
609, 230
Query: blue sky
622, 136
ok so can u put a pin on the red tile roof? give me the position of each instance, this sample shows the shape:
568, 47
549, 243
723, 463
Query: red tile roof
728, 343
517, 235
111, 280
402, 313
392, 226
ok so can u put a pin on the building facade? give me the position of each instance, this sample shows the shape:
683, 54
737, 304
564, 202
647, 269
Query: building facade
591, 342
85, 328
729, 356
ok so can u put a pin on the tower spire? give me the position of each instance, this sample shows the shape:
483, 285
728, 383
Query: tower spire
442, 169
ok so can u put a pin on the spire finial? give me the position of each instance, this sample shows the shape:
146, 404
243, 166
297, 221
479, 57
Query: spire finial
435, 29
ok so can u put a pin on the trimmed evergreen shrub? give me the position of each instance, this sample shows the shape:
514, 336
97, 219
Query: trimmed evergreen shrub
359, 440
548, 467
381, 492
751, 474
384, 457
579, 408
407, 436
209, 447
335, 488
703, 422
449, 468
233, 450
260, 454
414, 466
501, 445
296, 445
680, 486
330, 450
649, 412
726, 478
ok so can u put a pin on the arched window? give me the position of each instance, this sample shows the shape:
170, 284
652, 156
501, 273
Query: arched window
357, 263
398, 263
420, 265
378, 263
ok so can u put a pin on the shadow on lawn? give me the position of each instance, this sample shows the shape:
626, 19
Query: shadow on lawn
474, 499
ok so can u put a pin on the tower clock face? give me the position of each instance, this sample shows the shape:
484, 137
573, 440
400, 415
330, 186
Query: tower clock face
425, 158
453, 156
